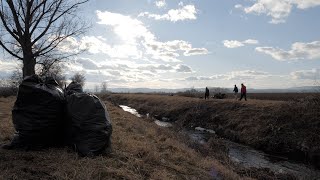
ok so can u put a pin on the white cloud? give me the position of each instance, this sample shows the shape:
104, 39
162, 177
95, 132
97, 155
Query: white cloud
278, 10
69, 45
138, 42
251, 41
99, 45
236, 44
94, 44
127, 28
313, 74
304, 4
170, 49
7, 67
161, 3
135, 56
187, 12
126, 73
299, 51
183, 68
165, 68
87, 63
232, 43
232, 76
196, 51
205, 78
120, 72
246, 75
238, 6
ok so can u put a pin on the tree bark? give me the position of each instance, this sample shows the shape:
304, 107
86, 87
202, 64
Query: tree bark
29, 63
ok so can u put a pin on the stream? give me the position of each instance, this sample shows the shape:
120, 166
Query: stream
249, 157
134, 112
245, 155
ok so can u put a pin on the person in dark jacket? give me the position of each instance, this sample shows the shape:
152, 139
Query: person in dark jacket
235, 90
206, 95
243, 92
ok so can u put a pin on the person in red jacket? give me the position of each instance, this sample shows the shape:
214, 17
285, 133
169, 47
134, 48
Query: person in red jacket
243, 92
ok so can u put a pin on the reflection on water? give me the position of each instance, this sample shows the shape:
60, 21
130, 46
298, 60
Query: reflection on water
248, 157
134, 112
205, 130
163, 124
251, 158
130, 110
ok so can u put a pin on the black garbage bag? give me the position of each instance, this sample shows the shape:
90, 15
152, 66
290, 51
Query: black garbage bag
90, 123
38, 114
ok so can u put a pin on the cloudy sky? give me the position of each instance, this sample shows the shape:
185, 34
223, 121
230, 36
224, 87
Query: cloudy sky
197, 43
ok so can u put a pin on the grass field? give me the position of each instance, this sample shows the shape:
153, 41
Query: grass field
141, 150
256, 96
286, 128
278, 96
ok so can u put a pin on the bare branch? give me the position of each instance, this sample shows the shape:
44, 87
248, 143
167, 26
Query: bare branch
6, 26
16, 18
9, 51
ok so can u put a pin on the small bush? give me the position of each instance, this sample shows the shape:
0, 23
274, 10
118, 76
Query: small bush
191, 93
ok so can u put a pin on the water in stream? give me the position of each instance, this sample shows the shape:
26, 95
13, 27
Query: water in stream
249, 157
130, 110
134, 112
244, 155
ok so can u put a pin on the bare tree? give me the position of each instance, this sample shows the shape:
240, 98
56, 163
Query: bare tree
54, 71
16, 77
32, 30
96, 88
104, 86
7, 88
79, 78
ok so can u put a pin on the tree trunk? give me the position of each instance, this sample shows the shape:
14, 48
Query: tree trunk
29, 63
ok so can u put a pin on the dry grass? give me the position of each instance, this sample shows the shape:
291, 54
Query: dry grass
289, 128
141, 150
278, 96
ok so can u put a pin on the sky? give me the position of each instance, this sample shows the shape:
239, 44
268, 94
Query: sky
196, 43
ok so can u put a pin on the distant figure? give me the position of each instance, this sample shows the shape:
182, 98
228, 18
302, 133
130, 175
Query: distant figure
206, 95
243, 92
235, 90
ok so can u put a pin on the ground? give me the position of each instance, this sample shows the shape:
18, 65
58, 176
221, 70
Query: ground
141, 150
289, 128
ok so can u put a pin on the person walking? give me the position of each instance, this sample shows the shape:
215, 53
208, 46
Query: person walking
235, 90
206, 94
243, 92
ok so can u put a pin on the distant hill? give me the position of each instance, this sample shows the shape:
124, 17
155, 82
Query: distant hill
303, 89
146, 90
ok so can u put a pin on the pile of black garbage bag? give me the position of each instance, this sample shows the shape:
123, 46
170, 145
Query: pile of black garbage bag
44, 116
